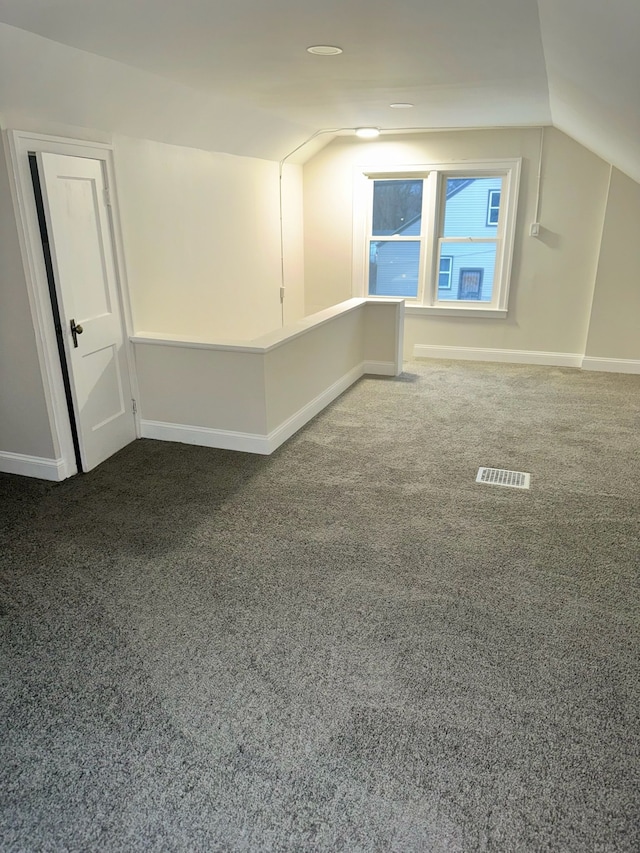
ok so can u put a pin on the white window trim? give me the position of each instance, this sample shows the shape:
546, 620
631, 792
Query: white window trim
427, 302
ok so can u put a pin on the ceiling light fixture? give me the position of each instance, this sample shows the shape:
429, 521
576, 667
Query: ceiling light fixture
401, 106
324, 50
367, 132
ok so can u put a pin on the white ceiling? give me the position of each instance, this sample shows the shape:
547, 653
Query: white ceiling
463, 63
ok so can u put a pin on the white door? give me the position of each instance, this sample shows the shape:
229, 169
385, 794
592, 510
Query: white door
82, 253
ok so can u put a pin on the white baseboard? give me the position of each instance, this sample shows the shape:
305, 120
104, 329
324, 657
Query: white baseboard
611, 365
205, 436
32, 466
286, 429
508, 356
250, 442
380, 368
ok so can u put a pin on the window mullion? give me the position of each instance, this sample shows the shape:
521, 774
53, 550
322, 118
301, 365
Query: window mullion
428, 278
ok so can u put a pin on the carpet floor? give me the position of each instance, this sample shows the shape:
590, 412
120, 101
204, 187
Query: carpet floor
349, 645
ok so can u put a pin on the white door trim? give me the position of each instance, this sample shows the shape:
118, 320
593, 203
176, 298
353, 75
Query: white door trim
18, 146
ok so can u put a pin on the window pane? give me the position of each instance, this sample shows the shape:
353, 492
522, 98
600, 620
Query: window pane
444, 273
393, 268
493, 207
472, 271
396, 208
465, 212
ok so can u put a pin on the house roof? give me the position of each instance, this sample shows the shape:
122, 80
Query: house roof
574, 64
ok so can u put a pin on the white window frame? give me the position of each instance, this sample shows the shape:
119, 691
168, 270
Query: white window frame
427, 301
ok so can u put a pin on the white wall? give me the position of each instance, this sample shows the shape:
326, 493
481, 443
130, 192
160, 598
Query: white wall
614, 331
293, 242
24, 420
553, 276
306, 366
201, 387
201, 234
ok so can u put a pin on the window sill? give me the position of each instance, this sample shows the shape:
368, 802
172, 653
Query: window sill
437, 311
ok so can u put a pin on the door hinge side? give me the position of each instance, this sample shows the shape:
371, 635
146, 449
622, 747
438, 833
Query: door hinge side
134, 406
107, 196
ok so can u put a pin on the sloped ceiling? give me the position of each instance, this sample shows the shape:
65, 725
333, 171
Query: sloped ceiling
592, 52
236, 76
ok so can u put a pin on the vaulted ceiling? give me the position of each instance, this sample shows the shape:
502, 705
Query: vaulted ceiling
239, 71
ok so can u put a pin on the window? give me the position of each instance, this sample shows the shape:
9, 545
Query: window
444, 272
470, 284
439, 236
396, 217
493, 207
464, 236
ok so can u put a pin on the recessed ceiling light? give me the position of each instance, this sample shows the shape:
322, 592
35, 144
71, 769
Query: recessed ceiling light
324, 50
367, 132
400, 106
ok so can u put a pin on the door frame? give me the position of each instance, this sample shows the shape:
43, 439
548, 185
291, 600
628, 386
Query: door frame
19, 144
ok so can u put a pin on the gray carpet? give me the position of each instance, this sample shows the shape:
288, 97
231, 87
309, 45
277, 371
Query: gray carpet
349, 645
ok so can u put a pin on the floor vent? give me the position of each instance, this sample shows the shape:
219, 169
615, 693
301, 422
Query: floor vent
502, 477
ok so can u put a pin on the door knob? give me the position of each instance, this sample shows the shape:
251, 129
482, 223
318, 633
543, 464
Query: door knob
75, 331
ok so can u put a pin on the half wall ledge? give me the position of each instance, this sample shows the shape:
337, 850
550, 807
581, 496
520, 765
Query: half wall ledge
254, 395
